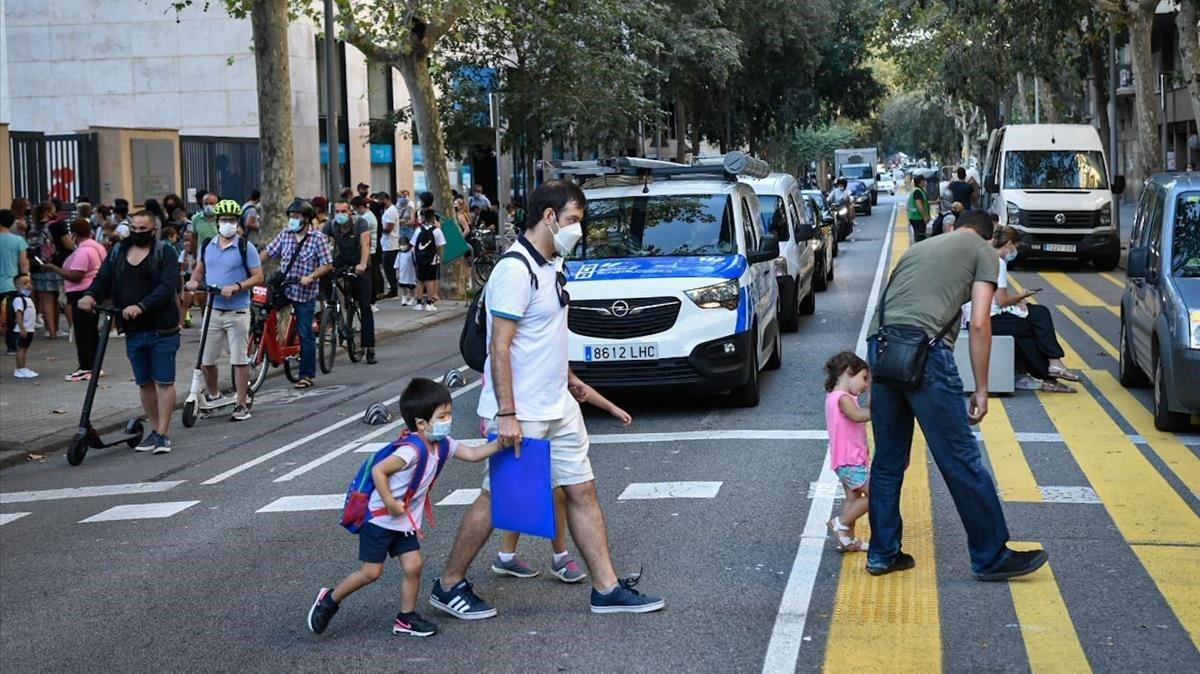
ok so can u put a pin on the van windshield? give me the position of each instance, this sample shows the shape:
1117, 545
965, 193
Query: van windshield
1054, 170
654, 226
1185, 242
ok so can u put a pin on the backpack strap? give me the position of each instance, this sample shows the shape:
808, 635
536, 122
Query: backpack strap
512, 254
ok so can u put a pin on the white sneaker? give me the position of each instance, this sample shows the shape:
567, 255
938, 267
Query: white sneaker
374, 309
430, 307
404, 302
64, 333
418, 307
24, 373
1025, 382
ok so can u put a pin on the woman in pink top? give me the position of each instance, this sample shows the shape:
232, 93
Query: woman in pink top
847, 377
78, 271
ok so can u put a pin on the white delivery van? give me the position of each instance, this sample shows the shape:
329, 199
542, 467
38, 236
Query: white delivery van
1051, 182
673, 284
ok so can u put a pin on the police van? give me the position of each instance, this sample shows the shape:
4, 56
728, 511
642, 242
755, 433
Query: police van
673, 284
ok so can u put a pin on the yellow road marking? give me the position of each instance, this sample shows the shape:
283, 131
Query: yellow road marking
1013, 475
1051, 642
1075, 292
1174, 571
1178, 457
1113, 280
1089, 330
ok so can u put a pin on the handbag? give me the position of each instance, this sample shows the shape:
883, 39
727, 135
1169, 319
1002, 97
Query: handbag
900, 350
279, 279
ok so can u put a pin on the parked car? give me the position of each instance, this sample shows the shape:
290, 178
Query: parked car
1160, 308
839, 222
784, 217
824, 244
886, 183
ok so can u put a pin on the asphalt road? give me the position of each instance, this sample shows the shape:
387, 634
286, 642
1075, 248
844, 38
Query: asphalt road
750, 582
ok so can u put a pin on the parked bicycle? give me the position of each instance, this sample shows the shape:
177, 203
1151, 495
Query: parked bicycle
340, 322
485, 254
265, 348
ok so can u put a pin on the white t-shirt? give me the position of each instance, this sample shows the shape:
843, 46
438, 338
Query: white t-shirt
1001, 282
398, 484
439, 240
391, 240
25, 304
539, 349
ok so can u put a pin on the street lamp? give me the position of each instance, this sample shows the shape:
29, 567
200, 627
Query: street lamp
332, 179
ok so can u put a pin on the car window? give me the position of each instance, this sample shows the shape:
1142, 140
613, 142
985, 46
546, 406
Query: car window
798, 218
1138, 235
774, 219
750, 231
658, 225
1185, 236
1154, 226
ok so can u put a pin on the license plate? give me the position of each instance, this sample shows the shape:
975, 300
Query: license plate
1059, 247
608, 352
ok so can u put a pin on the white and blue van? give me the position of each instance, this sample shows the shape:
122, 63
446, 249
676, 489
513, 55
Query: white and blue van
673, 284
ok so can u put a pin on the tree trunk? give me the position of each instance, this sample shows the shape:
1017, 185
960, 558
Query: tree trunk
1189, 44
1046, 94
269, 23
1020, 112
680, 131
1099, 71
1145, 100
414, 68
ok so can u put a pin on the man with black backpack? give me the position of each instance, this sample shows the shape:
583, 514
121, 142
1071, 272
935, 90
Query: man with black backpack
231, 263
140, 276
428, 244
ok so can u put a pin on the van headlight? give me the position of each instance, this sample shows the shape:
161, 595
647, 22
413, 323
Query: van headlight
1014, 214
716, 296
1106, 215
1194, 328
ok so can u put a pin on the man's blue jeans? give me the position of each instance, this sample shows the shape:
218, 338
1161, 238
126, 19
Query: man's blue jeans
938, 406
308, 340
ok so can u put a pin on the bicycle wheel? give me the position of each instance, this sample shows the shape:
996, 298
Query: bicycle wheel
291, 368
327, 339
258, 365
352, 333
483, 266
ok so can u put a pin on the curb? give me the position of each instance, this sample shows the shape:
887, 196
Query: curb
113, 423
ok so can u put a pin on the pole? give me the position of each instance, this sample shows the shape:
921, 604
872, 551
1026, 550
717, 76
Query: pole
1112, 121
1037, 102
501, 198
1162, 99
332, 178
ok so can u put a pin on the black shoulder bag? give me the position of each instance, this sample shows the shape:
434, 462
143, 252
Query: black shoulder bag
279, 279
900, 350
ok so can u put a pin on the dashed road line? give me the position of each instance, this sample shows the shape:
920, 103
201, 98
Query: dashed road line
460, 497
88, 492
659, 490
5, 518
304, 502
1051, 642
140, 511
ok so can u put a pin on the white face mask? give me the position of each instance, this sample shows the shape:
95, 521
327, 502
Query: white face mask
227, 229
209, 209
1010, 256
567, 236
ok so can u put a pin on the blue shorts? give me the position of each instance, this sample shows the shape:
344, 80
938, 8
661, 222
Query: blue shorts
152, 356
853, 477
375, 543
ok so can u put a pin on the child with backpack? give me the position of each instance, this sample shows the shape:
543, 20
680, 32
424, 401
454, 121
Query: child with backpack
398, 479
428, 242
847, 377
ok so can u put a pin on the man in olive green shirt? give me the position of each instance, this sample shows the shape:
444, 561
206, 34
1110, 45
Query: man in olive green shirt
927, 290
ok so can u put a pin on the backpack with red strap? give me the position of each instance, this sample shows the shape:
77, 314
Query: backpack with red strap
356, 511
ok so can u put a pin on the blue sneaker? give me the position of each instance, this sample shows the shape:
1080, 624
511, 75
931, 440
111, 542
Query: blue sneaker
513, 567
460, 601
148, 443
625, 599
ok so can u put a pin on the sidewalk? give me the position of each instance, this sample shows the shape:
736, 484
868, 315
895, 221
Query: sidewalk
40, 415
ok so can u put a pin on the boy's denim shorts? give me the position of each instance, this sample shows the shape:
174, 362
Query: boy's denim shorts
152, 356
375, 543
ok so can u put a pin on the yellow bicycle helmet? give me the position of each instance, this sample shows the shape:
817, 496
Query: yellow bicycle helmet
228, 207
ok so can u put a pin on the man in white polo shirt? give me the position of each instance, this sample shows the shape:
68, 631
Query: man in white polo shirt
526, 394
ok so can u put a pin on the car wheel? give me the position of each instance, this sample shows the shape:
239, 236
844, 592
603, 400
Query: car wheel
1164, 418
809, 306
746, 395
829, 271
835, 246
1128, 372
820, 277
789, 314
776, 360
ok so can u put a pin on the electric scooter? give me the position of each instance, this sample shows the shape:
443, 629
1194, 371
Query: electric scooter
87, 437
197, 401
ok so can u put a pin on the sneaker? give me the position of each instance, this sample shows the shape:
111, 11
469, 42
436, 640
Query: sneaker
413, 624
1018, 563
240, 413
405, 301
624, 599
901, 562
64, 333
460, 601
148, 443
79, 375
417, 306
24, 373
513, 567
162, 445
374, 309
430, 307
1027, 383
371, 358
322, 611
568, 571
210, 399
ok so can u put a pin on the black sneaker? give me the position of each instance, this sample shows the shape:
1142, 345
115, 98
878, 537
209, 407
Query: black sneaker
1019, 563
901, 562
413, 624
371, 357
148, 443
460, 601
162, 445
240, 413
322, 611
625, 599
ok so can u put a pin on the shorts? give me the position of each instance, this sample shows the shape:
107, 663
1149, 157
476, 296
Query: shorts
568, 436
152, 356
47, 282
230, 328
853, 477
375, 543
13, 340
430, 272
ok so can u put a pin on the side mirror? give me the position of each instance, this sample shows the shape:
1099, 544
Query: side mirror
1118, 185
767, 251
991, 185
1138, 264
805, 232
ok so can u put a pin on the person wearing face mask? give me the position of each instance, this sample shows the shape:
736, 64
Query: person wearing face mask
529, 391
306, 259
14, 259
1030, 325
428, 245
204, 223
78, 272
140, 276
230, 263
351, 236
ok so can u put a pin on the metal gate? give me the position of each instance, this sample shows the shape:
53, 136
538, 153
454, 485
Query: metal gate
64, 166
228, 166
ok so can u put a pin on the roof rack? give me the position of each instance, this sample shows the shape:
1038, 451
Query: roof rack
727, 167
736, 163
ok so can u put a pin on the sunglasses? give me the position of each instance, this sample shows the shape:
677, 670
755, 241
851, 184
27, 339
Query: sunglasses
560, 285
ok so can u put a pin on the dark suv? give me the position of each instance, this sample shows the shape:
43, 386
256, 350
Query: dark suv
1160, 308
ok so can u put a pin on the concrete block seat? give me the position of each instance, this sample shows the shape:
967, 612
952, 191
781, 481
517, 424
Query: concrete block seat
1001, 369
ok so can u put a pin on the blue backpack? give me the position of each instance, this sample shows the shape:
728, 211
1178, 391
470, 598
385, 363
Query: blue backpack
355, 510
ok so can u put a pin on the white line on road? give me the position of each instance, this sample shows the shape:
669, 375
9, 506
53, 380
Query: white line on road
660, 490
85, 492
630, 438
1069, 495
291, 504
140, 511
370, 448
784, 648
5, 518
353, 445
460, 497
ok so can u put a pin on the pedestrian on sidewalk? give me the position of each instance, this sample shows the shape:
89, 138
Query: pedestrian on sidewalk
361, 208
306, 259
50, 241
231, 263
527, 393
400, 496
24, 325
918, 208
78, 272
846, 378
141, 276
13, 260
389, 242
428, 245
926, 291
351, 238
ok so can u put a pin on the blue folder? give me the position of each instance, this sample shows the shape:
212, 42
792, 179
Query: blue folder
522, 499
